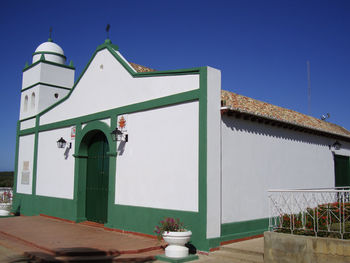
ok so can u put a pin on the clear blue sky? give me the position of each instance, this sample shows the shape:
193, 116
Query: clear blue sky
261, 47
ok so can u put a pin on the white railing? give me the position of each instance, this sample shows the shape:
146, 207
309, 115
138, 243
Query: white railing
6, 195
319, 212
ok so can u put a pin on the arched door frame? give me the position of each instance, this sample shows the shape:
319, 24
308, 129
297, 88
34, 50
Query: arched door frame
82, 142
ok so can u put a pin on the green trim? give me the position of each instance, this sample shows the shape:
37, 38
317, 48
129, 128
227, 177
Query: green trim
112, 170
237, 230
82, 141
77, 168
156, 103
231, 231
177, 260
79, 156
30, 205
16, 157
48, 53
46, 84
42, 57
108, 43
202, 156
31, 117
47, 62
35, 155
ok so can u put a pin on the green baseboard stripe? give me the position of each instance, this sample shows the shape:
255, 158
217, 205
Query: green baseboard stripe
177, 260
30, 205
244, 226
144, 219
242, 235
242, 229
213, 243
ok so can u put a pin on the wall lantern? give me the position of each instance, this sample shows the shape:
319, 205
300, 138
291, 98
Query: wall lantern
61, 143
336, 145
118, 135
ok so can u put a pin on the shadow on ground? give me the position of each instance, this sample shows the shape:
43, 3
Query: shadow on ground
79, 254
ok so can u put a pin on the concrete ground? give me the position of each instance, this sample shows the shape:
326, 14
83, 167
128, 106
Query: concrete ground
46, 235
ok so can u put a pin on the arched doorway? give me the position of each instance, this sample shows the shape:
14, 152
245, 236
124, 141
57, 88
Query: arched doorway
97, 177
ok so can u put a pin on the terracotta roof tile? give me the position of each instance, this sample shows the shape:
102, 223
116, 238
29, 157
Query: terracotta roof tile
259, 108
140, 68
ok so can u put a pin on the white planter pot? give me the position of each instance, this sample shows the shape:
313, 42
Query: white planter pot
176, 241
4, 212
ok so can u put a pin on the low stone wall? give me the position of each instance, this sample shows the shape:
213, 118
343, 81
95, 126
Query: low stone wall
279, 247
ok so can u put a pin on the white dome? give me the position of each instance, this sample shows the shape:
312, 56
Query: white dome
51, 51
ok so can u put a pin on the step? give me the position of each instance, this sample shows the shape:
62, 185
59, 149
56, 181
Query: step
255, 245
248, 251
238, 256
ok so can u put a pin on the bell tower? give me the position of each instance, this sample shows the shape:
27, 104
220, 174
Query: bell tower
47, 80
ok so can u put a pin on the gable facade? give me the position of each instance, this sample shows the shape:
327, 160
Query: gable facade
186, 156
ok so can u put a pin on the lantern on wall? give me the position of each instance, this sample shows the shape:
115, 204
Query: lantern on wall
336, 145
61, 143
118, 135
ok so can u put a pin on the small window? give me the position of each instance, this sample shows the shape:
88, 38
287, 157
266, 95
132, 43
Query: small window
25, 105
56, 95
32, 101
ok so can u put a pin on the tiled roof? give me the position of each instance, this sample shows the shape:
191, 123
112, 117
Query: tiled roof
246, 105
140, 68
258, 108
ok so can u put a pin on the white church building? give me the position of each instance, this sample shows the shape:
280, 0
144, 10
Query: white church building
184, 148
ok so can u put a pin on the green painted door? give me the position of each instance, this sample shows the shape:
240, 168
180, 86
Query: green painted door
97, 179
342, 170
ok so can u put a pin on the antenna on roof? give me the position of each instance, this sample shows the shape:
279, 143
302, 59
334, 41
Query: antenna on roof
308, 88
107, 30
50, 34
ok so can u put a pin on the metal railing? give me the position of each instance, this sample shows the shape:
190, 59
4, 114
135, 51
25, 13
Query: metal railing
6, 195
318, 212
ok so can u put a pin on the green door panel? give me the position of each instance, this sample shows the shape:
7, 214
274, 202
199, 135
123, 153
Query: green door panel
342, 170
97, 179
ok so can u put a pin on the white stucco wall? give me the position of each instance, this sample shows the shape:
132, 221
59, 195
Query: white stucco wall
55, 167
25, 155
49, 74
29, 111
106, 85
213, 153
27, 124
55, 75
106, 121
47, 96
158, 167
31, 76
258, 157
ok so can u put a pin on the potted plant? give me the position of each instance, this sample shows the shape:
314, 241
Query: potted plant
175, 234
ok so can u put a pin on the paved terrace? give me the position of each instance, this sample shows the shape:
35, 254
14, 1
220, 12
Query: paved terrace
42, 234
39, 234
